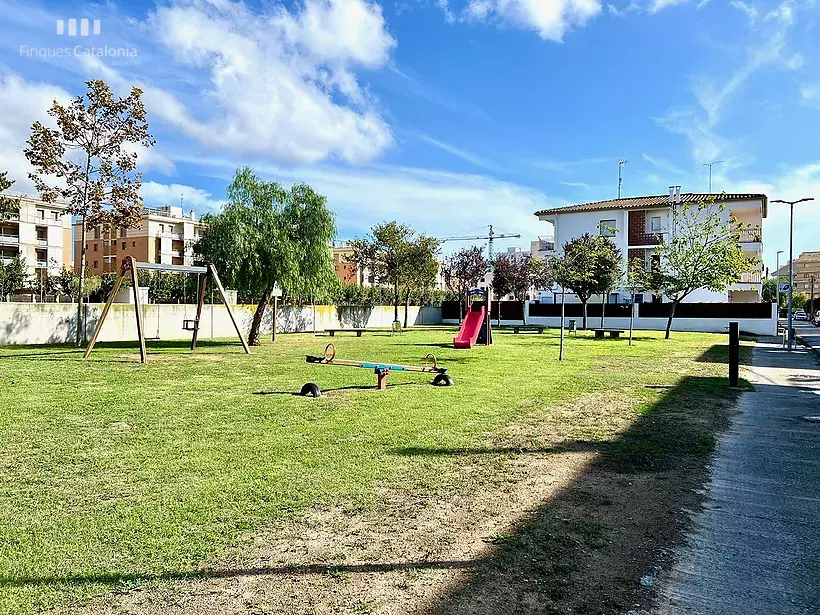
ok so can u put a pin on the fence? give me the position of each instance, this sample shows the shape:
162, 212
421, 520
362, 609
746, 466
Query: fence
53, 323
755, 318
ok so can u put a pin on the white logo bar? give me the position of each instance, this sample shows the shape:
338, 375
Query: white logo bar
87, 27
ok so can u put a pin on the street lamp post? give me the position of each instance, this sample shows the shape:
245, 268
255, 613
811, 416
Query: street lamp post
777, 286
791, 204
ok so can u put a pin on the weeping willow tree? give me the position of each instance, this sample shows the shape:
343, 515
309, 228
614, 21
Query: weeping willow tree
267, 236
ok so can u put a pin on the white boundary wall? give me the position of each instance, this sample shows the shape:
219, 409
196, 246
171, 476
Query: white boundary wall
54, 323
757, 326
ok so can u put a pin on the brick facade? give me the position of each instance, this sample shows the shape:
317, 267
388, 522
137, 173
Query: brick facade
637, 227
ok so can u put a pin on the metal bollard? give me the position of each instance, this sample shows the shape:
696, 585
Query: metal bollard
734, 353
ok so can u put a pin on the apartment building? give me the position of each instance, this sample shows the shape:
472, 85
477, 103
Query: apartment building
806, 272
40, 233
639, 225
164, 235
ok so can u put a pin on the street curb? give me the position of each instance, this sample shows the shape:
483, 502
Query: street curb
811, 349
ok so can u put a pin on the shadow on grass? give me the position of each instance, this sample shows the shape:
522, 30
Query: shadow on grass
352, 387
564, 447
582, 550
719, 353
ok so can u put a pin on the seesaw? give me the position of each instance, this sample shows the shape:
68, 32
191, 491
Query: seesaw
311, 389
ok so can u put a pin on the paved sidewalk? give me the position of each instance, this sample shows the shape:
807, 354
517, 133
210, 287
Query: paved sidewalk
754, 548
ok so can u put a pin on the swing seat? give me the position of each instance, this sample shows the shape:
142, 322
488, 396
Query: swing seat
190, 324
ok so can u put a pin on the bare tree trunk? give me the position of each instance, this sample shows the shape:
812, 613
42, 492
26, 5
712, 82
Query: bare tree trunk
603, 310
406, 306
256, 323
80, 285
671, 316
585, 314
395, 302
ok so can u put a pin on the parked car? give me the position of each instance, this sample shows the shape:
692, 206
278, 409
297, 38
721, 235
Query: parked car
800, 315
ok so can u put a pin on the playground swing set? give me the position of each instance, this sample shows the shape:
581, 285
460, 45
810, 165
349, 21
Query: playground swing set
382, 370
130, 266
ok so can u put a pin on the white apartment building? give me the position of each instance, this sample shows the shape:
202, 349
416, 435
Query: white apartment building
40, 233
638, 225
164, 235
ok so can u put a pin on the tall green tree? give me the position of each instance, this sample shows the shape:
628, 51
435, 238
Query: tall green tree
463, 270
703, 252
266, 236
86, 161
9, 206
420, 269
13, 276
384, 253
589, 266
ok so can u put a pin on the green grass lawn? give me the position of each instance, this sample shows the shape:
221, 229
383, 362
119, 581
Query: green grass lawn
114, 472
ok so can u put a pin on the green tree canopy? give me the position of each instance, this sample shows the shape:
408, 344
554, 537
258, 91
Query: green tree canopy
703, 252
266, 236
13, 276
590, 265
85, 160
9, 206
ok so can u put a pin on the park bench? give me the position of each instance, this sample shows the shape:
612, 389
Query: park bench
536, 328
358, 332
612, 332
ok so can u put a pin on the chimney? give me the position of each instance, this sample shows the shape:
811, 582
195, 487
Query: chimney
674, 194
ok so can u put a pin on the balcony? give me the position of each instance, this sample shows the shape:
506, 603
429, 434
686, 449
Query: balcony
654, 238
42, 241
41, 264
9, 239
751, 277
751, 234
546, 244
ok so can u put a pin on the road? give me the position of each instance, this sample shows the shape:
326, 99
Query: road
808, 333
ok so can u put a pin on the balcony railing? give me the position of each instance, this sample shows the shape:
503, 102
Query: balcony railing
654, 238
751, 277
41, 263
751, 234
9, 238
546, 244
42, 242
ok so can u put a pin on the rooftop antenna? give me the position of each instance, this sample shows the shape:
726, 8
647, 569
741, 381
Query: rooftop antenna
181, 199
710, 164
621, 164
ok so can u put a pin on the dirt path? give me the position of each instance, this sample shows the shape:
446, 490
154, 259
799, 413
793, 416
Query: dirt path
568, 527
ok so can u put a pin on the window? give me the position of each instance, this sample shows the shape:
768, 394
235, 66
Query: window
161, 228
96, 232
95, 247
123, 232
56, 215
41, 213
133, 244
96, 264
607, 228
124, 244
655, 224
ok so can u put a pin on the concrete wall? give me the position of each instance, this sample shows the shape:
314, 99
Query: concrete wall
758, 326
51, 323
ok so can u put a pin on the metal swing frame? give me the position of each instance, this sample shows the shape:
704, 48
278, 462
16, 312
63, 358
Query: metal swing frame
130, 266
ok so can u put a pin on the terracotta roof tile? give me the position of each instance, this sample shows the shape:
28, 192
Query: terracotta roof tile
659, 200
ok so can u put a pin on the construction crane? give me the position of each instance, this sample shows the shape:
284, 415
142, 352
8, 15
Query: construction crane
489, 236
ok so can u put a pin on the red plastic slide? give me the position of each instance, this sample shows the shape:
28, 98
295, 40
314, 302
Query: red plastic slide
470, 328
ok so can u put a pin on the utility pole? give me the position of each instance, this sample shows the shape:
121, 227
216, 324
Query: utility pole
710, 164
777, 286
791, 204
621, 164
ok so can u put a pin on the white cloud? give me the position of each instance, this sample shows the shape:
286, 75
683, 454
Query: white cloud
659, 5
464, 154
748, 9
155, 194
551, 19
21, 103
811, 92
149, 158
270, 82
436, 202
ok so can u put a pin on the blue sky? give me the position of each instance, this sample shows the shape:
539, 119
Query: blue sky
446, 114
